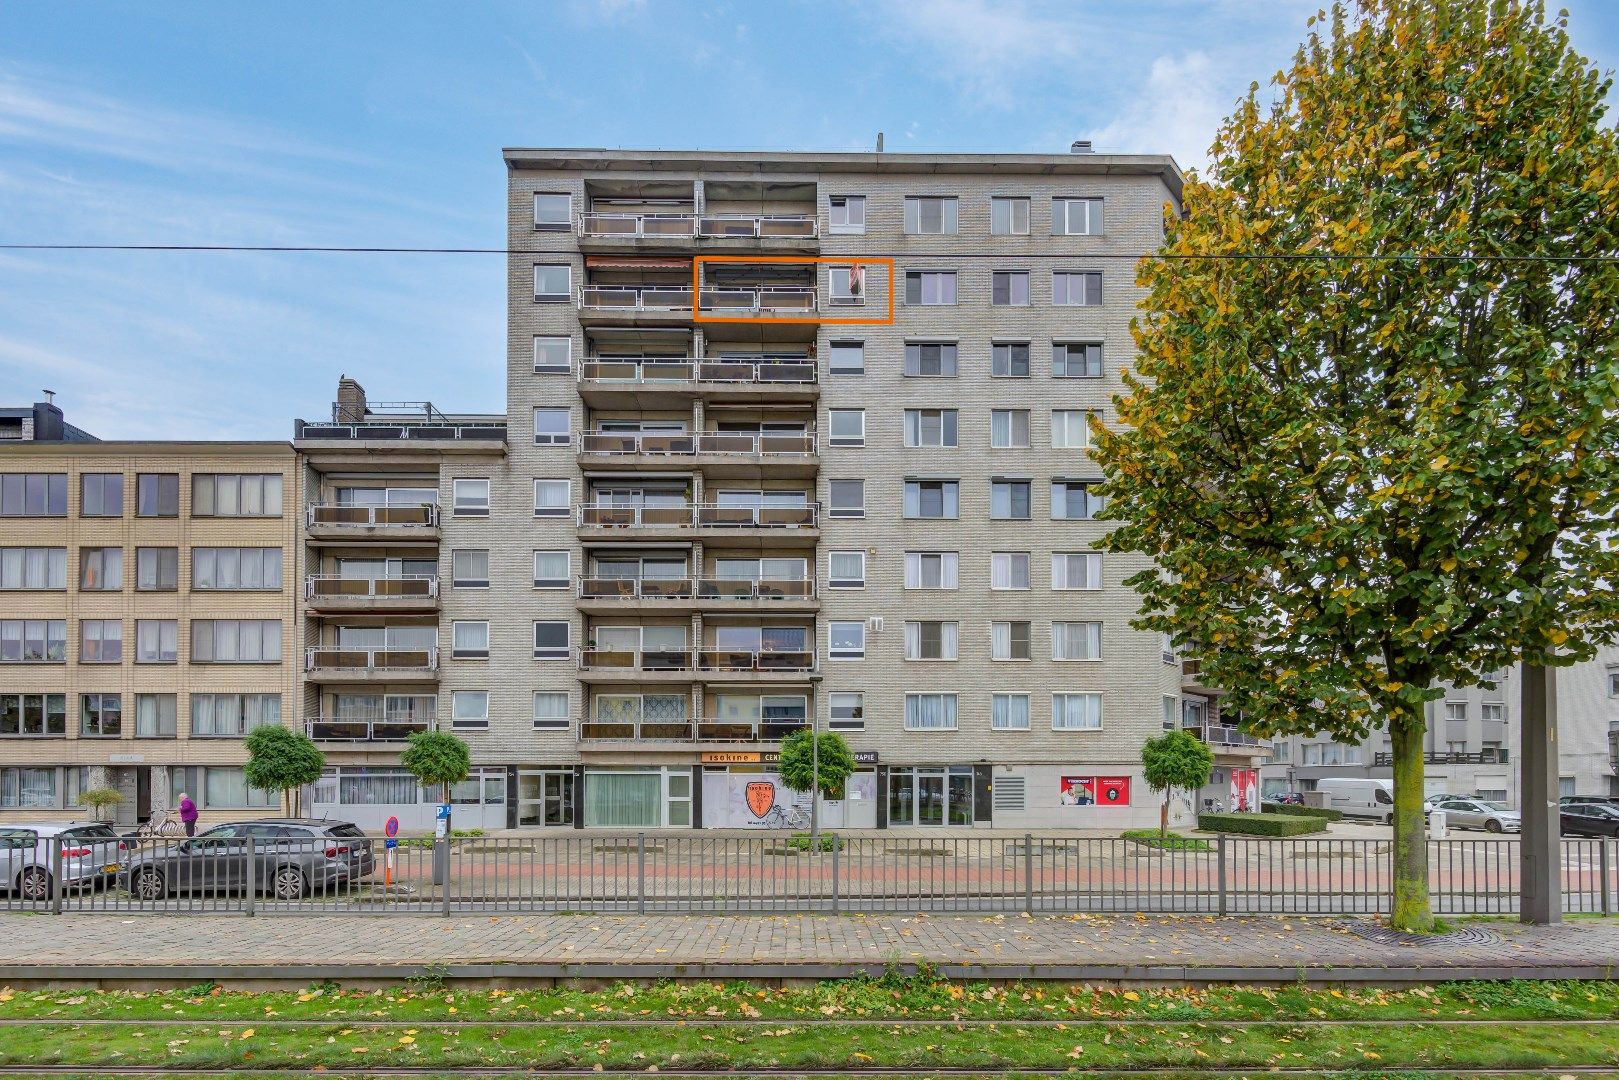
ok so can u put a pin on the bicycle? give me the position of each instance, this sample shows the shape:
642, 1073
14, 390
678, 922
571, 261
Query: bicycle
785, 817
161, 824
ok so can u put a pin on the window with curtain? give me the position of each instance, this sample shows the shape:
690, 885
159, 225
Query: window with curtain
930, 427
930, 712
469, 709
235, 495
930, 640
101, 641
33, 568
1008, 429
1009, 500
235, 641
33, 495
1076, 712
1076, 641
1009, 712
1009, 570
233, 568
100, 495
157, 569
228, 787
232, 715
930, 569
846, 569
623, 799
1009, 640
930, 214
551, 569
1076, 361
1071, 500
1076, 570
101, 569
1070, 429
469, 568
1076, 289
550, 709
155, 716
157, 641
30, 641
1076, 217
157, 495
469, 640
1008, 216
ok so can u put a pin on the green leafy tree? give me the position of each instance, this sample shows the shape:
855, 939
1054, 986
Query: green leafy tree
437, 758
797, 765
100, 799
1362, 472
282, 761
1175, 759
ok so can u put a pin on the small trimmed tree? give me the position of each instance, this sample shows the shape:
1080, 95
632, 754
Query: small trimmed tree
283, 761
98, 799
437, 758
798, 769
1173, 760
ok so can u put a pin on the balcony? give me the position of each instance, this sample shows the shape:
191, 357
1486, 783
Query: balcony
336, 594
393, 422
1385, 759
377, 524
702, 594
718, 453
649, 382
780, 526
348, 729
687, 665
688, 731
635, 230
666, 302
331, 664
1225, 739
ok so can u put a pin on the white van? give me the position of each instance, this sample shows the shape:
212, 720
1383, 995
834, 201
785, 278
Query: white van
1355, 797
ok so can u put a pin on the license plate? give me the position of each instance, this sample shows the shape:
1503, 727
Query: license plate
110, 868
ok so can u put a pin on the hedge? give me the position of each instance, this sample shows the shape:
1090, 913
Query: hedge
1302, 811
1260, 824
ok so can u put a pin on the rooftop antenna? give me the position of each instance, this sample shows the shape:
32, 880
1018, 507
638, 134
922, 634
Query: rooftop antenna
879, 142
50, 397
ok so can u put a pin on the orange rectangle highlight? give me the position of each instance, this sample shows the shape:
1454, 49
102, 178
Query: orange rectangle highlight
697, 291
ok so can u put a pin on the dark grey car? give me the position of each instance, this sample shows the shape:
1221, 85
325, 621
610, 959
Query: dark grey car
292, 857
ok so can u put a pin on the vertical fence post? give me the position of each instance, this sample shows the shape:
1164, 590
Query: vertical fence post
1604, 864
1028, 873
640, 873
838, 843
55, 888
252, 877
441, 857
1219, 863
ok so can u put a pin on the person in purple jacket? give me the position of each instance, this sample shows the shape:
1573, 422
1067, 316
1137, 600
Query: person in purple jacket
188, 814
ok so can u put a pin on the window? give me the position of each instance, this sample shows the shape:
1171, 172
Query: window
100, 495
1076, 288
1076, 361
846, 285
469, 568
101, 569
930, 640
469, 497
1009, 570
157, 495
1010, 641
846, 711
551, 427
1009, 712
930, 569
157, 641
553, 212
1076, 217
848, 358
930, 712
931, 359
550, 640
1494, 711
846, 213
930, 427
1009, 361
1071, 500
846, 640
1613, 682
1076, 712
33, 715
33, 495
33, 641
235, 569
28, 789
1009, 288
1009, 500
227, 787
1076, 570
1172, 714
550, 709
932, 498
1008, 216
1456, 711
157, 569
469, 709
846, 569
155, 716
930, 214
846, 498
1076, 641
235, 495
551, 569
847, 427
101, 716
235, 641
551, 498
469, 640
553, 355
33, 568
930, 288
232, 716
1070, 429
1009, 429
552, 283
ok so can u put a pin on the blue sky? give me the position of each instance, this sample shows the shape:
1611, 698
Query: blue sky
382, 124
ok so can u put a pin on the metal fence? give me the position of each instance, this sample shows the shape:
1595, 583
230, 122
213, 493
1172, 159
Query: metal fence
685, 873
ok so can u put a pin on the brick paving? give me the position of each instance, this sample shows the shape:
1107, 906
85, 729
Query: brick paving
600, 946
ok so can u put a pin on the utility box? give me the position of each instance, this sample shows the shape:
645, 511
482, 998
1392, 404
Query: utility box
1436, 824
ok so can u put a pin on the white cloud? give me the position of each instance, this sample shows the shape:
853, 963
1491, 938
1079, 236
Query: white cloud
1177, 110
982, 46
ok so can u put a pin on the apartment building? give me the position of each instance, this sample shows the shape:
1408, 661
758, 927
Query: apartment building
147, 617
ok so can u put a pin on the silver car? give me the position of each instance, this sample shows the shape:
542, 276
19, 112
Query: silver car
1468, 813
92, 853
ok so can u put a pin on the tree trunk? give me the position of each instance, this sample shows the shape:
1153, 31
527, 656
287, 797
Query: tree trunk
1412, 909
1163, 816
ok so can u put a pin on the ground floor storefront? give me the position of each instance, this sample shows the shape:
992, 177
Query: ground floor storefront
44, 792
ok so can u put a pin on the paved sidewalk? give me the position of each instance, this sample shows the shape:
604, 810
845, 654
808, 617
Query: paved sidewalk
112, 949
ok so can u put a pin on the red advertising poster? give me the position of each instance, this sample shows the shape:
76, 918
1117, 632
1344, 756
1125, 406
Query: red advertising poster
1078, 791
1245, 791
1113, 790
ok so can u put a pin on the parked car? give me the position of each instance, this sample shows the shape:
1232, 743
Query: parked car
1438, 797
91, 853
1589, 819
1359, 797
1467, 813
1286, 798
1572, 800
292, 858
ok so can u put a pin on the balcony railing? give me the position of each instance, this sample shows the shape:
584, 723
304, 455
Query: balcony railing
763, 300
406, 587
363, 729
707, 516
1222, 735
424, 516
447, 430
332, 658
712, 516
708, 225
654, 370
1496, 756
608, 588
693, 660
676, 444
636, 297
712, 730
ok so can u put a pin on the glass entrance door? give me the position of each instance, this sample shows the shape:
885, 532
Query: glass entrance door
544, 798
930, 796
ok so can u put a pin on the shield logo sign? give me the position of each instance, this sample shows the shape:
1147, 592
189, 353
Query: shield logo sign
761, 796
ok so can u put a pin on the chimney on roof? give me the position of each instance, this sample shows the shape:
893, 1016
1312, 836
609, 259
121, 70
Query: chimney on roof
350, 405
1081, 146
48, 423
879, 142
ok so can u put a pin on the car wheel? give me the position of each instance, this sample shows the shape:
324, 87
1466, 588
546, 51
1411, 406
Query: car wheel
289, 883
1492, 825
149, 885
34, 884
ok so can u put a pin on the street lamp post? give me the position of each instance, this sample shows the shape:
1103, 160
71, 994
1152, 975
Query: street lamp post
815, 768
